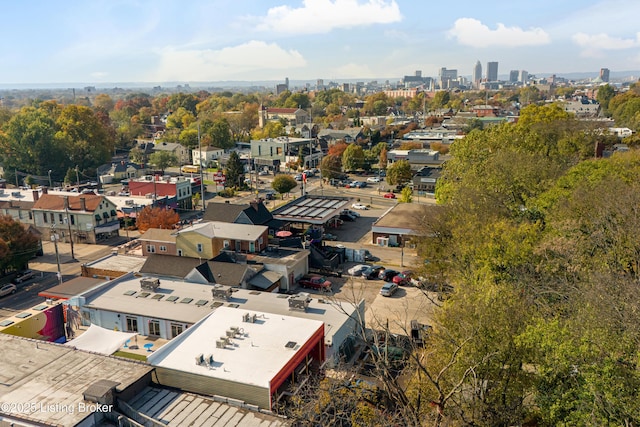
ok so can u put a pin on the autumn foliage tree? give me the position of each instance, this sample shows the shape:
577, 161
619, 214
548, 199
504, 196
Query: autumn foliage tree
17, 245
156, 218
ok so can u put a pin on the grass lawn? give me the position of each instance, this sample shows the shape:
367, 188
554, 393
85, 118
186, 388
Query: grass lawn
133, 356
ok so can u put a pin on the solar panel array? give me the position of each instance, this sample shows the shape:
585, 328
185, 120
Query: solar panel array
313, 208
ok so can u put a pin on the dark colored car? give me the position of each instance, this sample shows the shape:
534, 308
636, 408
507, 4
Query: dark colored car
347, 217
388, 274
372, 272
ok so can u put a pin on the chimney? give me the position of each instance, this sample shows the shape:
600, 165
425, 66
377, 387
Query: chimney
83, 204
36, 195
254, 205
45, 190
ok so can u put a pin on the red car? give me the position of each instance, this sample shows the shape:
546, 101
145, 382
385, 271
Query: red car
389, 196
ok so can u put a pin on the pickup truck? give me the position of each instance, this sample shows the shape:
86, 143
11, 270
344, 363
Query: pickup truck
315, 282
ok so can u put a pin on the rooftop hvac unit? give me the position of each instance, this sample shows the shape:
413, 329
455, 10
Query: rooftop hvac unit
129, 202
200, 359
221, 292
249, 318
16, 194
149, 283
231, 333
209, 360
221, 344
149, 195
299, 302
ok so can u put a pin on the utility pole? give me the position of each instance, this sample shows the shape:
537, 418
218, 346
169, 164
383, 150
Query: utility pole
77, 178
202, 193
54, 239
66, 209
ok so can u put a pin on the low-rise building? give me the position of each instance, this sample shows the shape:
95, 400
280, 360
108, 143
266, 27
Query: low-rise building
206, 239
206, 156
397, 225
176, 190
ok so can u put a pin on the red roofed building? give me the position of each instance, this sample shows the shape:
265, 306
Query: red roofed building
295, 116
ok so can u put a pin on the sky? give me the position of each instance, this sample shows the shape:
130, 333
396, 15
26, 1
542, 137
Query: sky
101, 41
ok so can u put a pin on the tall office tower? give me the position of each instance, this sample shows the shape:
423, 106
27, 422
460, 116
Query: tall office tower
513, 76
523, 76
286, 82
446, 77
319, 84
492, 71
476, 76
604, 74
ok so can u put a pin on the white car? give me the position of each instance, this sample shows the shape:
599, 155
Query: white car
357, 270
359, 206
373, 179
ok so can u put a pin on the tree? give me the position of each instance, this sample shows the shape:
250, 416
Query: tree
17, 244
440, 99
234, 171
399, 172
283, 184
332, 167
220, 134
353, 158
337, 149
406, 195
163, 159
156, 218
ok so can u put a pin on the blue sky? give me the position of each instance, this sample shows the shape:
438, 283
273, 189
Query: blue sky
100, 41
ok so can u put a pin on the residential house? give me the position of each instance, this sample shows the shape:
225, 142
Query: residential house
294, 116
275, 152
417, 158
118, 171
255, 213
86, 217
206, 156
348, 135
14, 204
206, 239
158, 241
179, 150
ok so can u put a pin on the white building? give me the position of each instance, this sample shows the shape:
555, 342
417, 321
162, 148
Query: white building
209, 155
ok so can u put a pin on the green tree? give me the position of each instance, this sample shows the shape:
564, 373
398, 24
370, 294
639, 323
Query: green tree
17, 245
406, 196
440, 99
283, 184
234, 171
180, 119
352, 158
399, 172
220, 133
163, 159
604, 96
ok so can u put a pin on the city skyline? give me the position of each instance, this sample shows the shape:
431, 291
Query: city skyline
221, 40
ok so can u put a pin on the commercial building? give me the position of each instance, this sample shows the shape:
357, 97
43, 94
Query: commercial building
492, 71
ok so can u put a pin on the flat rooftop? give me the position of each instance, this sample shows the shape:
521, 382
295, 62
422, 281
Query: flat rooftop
403, 216
254, 356
41, 373
117, 262
190, 302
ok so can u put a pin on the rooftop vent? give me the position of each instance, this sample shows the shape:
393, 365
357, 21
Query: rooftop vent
299, 302
249, 318
221, 292
149, 283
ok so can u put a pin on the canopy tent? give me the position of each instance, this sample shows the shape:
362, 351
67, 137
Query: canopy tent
101, 340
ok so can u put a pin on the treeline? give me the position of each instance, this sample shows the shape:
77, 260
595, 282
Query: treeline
537, 238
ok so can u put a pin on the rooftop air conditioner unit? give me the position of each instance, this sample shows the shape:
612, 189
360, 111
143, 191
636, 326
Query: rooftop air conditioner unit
221, 344
221, 292
149, 283
299, 302
129, 202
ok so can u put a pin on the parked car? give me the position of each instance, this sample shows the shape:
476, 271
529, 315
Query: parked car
389, 196
350, 212
270, 195
357, 270
373, 179
388, 274
368, 256
8, 289
315, 282
298, 177
23, 276
388, 289
347, 217
403, 279
372, 272
329, 236
359, 206
263, 173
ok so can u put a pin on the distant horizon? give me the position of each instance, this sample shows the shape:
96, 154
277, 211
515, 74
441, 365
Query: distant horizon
227, 42
577, 75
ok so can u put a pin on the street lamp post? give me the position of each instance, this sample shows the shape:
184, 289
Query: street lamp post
50, 185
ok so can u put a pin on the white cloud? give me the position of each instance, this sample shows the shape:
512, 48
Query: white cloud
603, 41
99, 74
471, 32
227, 63
322, 16
352, 71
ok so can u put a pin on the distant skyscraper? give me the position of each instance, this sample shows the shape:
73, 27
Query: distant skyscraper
446, 77
320, 84
523, 76
492, 71
286, 82
476, 76
513, 76
604, 74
